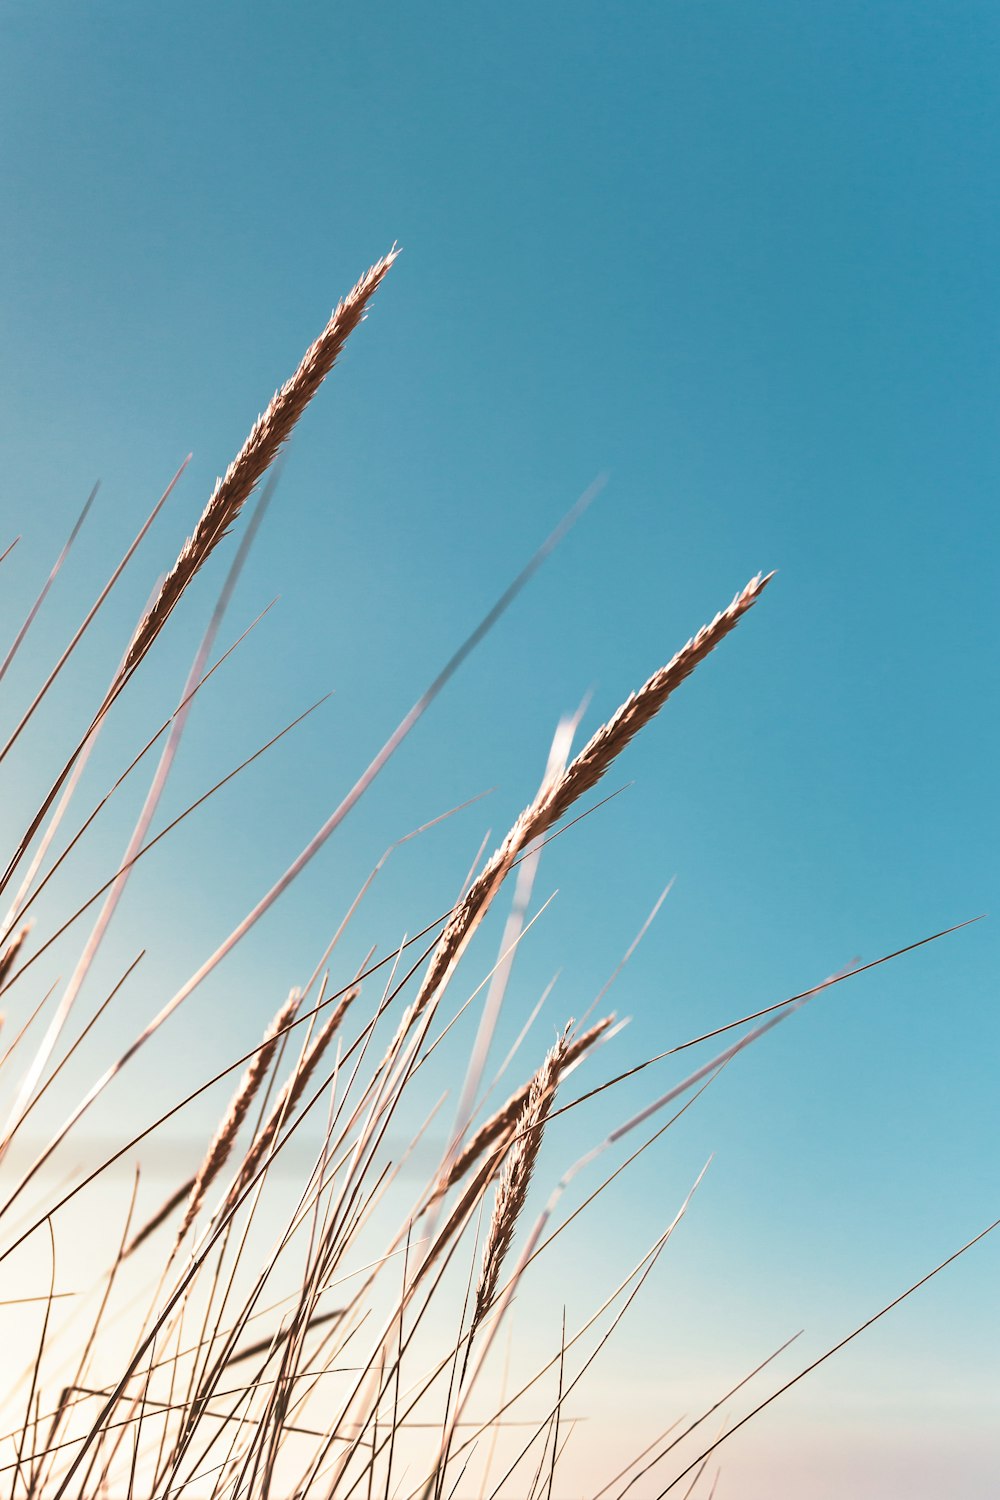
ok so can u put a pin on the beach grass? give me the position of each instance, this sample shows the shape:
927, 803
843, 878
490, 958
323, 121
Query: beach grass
242, 1343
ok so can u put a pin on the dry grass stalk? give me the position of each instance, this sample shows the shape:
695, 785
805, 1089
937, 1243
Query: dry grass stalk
470, 1196
163, 1213
577, 1049
249, 1085
596, 756
557, 795
168, 1379
501, 1124
9, 952
32, 614
512, 1189
292, 1092
270, 431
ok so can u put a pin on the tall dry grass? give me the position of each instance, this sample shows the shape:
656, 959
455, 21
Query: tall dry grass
240, 1343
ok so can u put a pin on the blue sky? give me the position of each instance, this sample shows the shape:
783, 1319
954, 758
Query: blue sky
741, 257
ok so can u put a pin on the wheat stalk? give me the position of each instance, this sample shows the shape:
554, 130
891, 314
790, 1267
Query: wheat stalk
291, 1093
558, 794
495, 1137
512, 1189
502, 1123
270, 431
249, 1085
635, 713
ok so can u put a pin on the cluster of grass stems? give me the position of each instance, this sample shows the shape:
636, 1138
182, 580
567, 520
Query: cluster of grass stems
373, 1374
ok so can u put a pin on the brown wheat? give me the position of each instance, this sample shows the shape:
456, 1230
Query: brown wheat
512, 1189
292, 1092
557, 795
501, 1124
249, 1085
270, 431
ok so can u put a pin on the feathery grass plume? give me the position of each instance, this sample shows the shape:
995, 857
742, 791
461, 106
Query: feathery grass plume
558, 793
162, 1214
468, 1198
270, 431
249, 1085
292, 1092
503, 1122
610, 740
218, 1152
577, 1049
11, 949
496, 1136
512, 1189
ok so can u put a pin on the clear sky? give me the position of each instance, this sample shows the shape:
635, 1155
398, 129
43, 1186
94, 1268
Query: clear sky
742, 257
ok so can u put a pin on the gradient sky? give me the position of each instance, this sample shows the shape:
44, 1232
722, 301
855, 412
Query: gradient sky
743, 258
